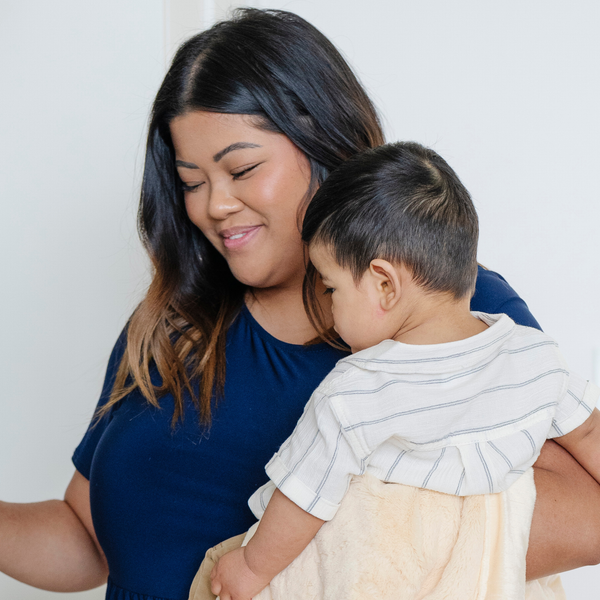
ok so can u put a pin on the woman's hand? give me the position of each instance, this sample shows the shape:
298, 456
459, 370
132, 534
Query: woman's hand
232, 578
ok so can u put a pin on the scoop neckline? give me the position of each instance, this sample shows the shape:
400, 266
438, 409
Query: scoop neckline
265, 335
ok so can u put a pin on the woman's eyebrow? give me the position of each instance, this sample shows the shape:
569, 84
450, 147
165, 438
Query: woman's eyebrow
219, 155
187, 165
237, 146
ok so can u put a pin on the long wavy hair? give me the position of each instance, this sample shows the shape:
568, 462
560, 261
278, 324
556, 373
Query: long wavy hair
276, 66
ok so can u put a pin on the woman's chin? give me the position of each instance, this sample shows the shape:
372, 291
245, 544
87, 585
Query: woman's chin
253, 278
260, 278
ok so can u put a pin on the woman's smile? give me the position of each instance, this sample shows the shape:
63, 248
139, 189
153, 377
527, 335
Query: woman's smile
235, 238
244, 188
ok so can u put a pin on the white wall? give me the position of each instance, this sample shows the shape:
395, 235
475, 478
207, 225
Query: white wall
507, 92
77, 80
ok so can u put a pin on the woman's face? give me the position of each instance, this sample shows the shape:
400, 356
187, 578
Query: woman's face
243, 187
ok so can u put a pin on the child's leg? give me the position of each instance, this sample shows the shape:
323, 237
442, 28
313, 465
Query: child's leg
200, 589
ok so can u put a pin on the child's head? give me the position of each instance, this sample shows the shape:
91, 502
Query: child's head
397, 206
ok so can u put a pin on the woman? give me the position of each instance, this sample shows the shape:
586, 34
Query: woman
214, 367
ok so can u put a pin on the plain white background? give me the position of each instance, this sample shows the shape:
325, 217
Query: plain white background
506, 92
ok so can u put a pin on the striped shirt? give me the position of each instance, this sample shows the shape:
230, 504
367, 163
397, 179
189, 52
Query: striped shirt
465, 417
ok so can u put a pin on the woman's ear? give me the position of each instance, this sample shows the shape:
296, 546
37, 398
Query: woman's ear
388, 282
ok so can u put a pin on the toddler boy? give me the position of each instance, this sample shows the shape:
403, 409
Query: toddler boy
433, 396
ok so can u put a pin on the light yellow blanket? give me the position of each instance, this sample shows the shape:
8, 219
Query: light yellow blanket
390, 541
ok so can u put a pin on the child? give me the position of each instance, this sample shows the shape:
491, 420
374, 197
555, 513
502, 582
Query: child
433, 396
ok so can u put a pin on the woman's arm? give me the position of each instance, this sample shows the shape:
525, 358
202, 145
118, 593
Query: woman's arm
565, 531
52, 545
583, 444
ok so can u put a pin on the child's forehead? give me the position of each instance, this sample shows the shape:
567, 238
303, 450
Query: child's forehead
322, 257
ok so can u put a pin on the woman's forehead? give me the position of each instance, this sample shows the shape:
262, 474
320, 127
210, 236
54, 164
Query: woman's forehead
207, 123
212, 135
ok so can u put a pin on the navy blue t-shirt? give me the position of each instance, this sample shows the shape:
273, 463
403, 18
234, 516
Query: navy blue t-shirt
161, 497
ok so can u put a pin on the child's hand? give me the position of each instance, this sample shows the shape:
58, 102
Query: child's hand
232, 579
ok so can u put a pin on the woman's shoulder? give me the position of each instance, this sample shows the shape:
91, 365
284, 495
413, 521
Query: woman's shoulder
118, 350
493, 294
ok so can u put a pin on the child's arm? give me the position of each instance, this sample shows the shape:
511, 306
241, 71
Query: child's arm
284, 531
583, 443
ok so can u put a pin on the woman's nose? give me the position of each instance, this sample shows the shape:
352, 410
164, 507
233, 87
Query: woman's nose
222, 203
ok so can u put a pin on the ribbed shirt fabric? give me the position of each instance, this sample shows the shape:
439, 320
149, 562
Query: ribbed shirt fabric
466, 417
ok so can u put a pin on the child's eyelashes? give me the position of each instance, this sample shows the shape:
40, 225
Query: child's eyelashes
328, 291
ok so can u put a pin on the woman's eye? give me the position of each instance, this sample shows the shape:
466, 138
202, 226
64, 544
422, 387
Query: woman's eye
329, 291
240, 174
190, 188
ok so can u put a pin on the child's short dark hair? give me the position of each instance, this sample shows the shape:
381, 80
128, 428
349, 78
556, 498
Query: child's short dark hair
403, 203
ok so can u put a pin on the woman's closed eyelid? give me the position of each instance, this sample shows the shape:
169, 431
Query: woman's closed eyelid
193, 187
190, 188
239, 174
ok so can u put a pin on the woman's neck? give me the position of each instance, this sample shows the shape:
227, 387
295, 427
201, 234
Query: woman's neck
280, 311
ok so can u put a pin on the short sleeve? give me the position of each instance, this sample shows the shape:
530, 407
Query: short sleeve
84, 453
314, 466
493, 295
575, 406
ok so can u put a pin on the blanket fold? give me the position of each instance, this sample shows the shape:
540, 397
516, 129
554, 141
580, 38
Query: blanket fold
391, 541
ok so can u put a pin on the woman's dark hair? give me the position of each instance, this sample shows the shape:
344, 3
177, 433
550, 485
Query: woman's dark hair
279, 68
401, 202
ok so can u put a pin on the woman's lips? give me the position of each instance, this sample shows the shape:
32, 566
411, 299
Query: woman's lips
236, 237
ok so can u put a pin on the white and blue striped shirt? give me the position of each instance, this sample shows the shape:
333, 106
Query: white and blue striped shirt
466, 417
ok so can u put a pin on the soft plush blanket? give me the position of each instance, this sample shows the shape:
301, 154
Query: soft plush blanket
390, 541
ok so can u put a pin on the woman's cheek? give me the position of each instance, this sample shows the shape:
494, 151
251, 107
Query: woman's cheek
196, 216
190, 209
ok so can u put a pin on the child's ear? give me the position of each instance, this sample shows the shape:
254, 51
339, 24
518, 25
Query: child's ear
388, 281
